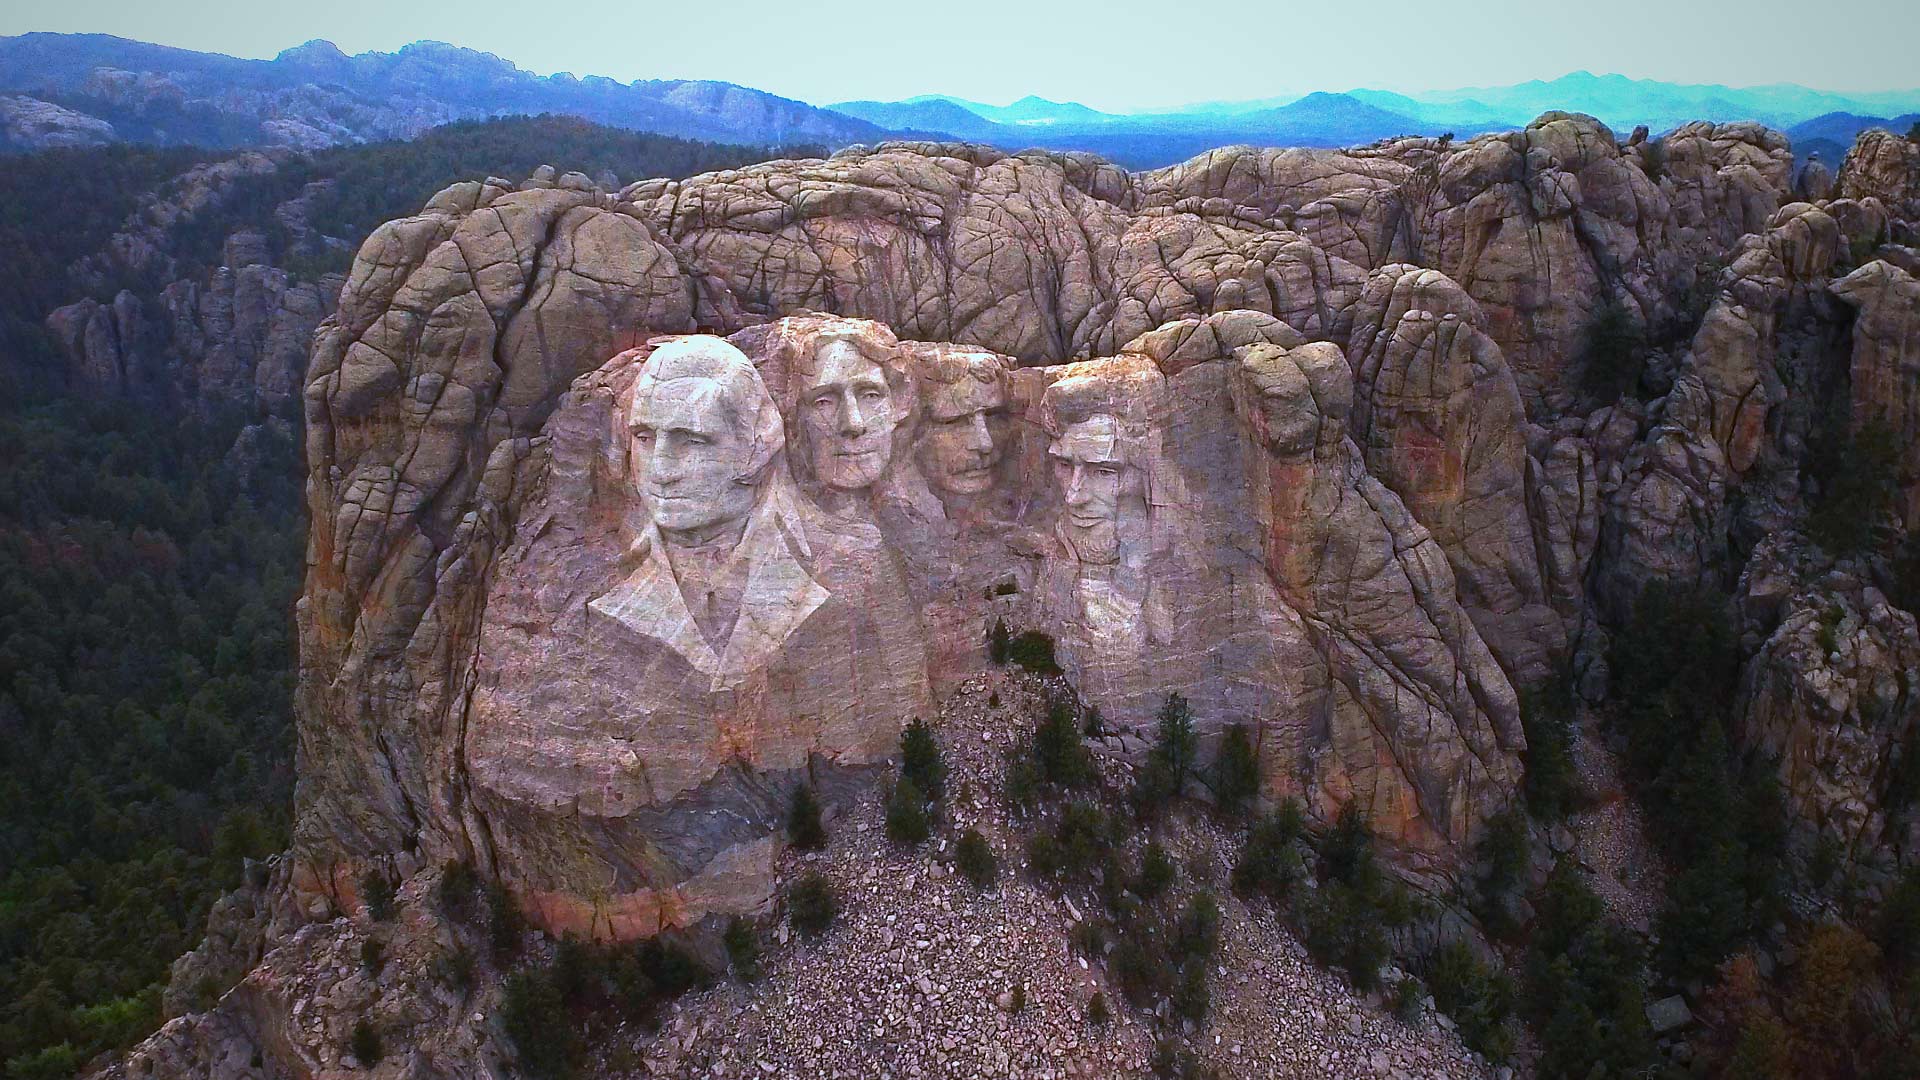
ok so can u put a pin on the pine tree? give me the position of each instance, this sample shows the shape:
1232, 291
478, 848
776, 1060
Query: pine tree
804, 829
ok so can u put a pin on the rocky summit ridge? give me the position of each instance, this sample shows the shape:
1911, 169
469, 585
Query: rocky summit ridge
634, 510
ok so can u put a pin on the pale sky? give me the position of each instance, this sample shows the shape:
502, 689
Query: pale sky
1110, 54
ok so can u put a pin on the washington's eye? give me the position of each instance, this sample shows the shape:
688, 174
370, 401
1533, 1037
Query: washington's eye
642, 435
870, 395
1108, 470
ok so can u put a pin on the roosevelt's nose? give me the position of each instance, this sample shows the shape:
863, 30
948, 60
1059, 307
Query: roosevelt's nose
979, 439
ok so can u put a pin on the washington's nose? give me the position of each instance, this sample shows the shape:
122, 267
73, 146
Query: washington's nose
664, 469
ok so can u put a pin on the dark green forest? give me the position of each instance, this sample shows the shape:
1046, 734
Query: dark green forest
148, 570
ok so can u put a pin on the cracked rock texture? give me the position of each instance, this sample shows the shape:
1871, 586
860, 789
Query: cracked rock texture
1304, 435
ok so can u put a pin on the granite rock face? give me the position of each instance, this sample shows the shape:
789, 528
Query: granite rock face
1438, 416
506, 640
1885, 368
1254, 428
1883, 166
632, 511
1833, 694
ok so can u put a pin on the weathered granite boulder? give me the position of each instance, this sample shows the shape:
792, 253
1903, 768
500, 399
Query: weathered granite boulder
1883, 166
1438, 416
1885, 373
1833, 695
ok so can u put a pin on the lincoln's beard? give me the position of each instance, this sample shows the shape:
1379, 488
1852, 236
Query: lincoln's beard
1096, 544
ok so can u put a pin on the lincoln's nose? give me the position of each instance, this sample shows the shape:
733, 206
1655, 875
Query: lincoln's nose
1077, 494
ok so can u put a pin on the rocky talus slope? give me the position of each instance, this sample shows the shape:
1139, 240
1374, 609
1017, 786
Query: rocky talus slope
633, 511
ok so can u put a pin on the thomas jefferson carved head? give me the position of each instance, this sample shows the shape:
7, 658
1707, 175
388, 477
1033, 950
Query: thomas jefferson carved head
963, 433
704, 432
851, 397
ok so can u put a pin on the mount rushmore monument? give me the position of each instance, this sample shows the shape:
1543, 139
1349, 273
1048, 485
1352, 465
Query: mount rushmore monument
633, 511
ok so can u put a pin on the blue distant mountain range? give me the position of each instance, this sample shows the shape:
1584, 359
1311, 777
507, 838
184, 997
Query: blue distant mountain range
76, 89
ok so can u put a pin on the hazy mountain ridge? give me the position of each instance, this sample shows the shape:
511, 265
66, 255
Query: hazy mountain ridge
90, 89
314, 95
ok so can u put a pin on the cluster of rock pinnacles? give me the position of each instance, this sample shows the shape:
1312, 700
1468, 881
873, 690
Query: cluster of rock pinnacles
1273, 429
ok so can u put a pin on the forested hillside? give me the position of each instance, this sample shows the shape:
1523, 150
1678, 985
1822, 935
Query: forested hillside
150, 556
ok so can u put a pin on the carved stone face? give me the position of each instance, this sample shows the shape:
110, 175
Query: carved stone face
965, 431
689, 453
849, 414
1099, 487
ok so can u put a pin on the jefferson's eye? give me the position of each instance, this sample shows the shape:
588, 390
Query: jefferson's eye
642, 435
1109, 470
870, 395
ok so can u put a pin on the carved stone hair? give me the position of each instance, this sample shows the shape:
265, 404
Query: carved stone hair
949, 365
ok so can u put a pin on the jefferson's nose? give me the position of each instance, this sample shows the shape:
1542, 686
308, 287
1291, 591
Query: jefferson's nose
852, 420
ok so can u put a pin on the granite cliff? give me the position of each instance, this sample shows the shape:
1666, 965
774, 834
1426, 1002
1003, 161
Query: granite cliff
633, 510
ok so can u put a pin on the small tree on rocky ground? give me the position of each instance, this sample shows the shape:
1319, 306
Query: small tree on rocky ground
534, 1016
1546, 717
1236, 772
1270, 864
804, 828
365, 1044
504, 921
907, 821
975, 860
376, 891
1478, 998
811, 904
1856, 470
920, 760
1058, 752
1156, 871
1169, 763
743, 949
1033, 651
999, 643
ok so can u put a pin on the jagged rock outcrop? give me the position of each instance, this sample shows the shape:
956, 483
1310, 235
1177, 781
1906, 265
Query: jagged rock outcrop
1741, 406
240, 337
1833, 695
1439, 418
1885, 367
1883, 166
632, 511
465, 688
28, 124
236, 333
